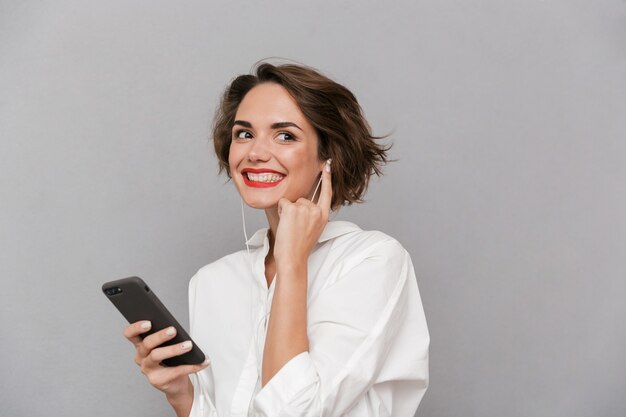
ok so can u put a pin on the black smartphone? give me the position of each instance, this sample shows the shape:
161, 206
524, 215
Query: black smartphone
134, 299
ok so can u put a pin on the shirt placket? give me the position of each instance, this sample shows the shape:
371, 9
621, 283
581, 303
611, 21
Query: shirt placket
250, 380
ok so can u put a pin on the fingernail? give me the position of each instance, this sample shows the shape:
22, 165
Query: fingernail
206, 362
170, 331
186, 345
145, 325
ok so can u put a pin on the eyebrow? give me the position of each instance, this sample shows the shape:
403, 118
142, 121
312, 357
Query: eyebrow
276, 125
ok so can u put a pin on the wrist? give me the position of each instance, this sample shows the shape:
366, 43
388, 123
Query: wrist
182, 399
292, 267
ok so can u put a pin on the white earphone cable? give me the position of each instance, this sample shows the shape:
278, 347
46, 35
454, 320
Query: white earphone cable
316, 188
243, 220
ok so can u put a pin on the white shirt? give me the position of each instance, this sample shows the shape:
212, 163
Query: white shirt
368, 340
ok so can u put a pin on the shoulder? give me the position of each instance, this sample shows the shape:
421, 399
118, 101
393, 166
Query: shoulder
229, 265
359, 244
364, 257
367, 270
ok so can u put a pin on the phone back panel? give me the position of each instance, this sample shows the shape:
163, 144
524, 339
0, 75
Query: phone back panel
137, 302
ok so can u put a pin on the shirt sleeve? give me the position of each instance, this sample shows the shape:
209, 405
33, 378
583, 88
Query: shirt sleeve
368, 345
203, 384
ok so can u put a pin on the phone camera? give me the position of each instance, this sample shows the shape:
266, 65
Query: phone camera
112, 291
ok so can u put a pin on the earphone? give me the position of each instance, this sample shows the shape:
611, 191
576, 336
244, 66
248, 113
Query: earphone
327, 168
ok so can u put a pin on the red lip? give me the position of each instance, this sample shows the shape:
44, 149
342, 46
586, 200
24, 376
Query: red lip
260, 171
257, 184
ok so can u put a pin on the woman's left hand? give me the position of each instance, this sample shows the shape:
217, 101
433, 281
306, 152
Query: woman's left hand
301, 224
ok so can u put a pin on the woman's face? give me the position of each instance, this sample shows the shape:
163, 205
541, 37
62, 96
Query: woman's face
273, 153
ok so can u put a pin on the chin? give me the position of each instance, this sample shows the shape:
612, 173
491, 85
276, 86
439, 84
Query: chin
260, 203
261, 199
261, 206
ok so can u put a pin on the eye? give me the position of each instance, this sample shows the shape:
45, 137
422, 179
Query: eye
285, 137
242, 134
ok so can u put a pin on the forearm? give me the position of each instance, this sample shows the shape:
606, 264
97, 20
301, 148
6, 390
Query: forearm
287, 327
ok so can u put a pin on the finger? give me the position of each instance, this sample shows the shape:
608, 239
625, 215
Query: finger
162, 377
133, 330
190, 369
326, 195
158, 338
281, 204
304, 201
158, 355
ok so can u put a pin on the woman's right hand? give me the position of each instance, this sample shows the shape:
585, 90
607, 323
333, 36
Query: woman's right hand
171, 380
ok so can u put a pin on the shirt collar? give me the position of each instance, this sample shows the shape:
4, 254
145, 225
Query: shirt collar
332, 230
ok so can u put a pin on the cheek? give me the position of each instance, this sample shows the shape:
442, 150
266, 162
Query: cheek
234, 156
306, 173
301, 159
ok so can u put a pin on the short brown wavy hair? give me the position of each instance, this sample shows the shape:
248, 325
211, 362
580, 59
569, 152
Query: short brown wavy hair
344, 134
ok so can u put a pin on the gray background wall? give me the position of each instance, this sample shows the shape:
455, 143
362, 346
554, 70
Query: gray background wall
509, 191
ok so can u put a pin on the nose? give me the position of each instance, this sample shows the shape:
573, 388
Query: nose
259, 150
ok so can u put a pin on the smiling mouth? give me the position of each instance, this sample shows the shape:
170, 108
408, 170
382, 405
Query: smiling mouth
262, 180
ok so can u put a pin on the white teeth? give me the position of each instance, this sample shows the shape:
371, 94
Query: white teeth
264, 177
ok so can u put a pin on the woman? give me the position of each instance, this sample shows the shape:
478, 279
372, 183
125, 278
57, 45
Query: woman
346, 335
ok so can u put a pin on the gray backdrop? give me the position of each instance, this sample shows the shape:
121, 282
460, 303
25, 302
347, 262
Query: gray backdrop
509, 192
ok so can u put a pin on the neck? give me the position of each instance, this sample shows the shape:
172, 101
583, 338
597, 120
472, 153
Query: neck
272, 220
